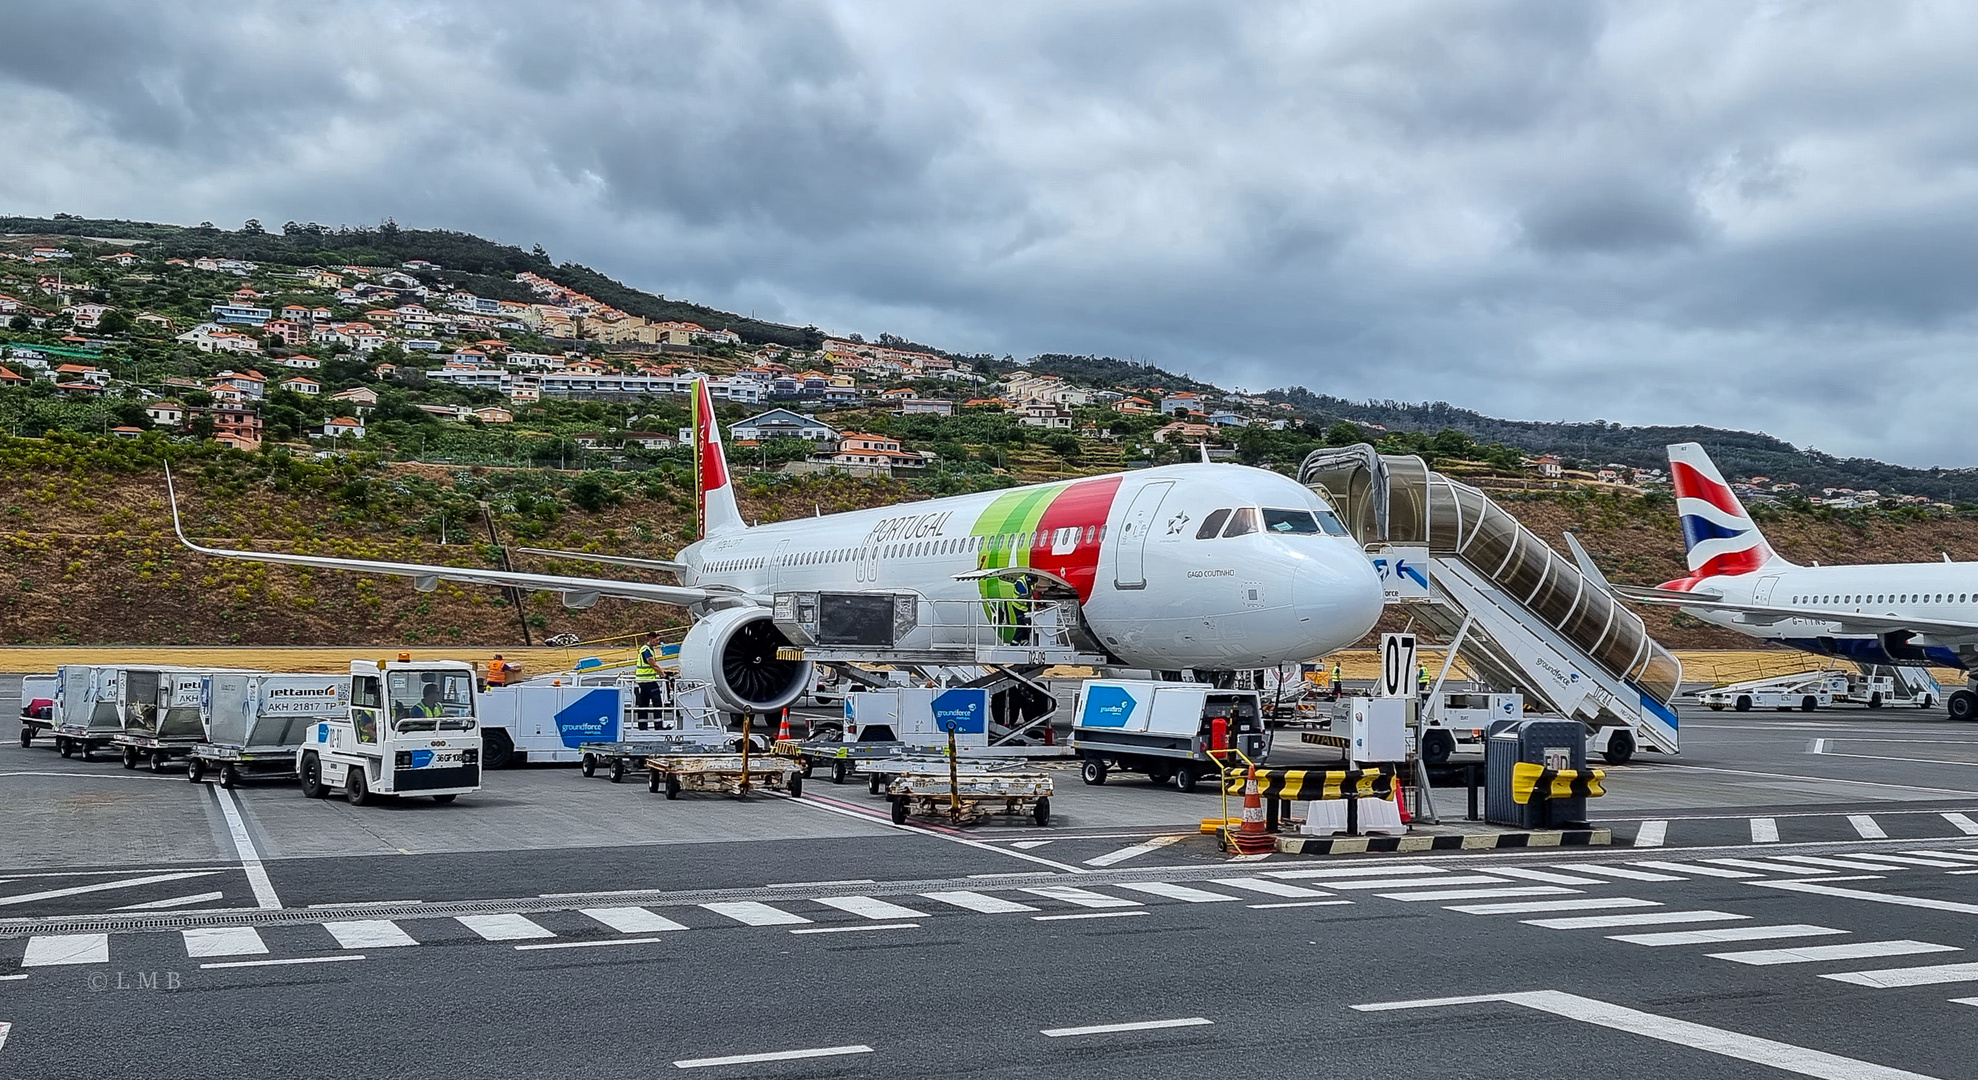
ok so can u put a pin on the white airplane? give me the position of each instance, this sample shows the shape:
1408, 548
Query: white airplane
1891, 613
1202, 567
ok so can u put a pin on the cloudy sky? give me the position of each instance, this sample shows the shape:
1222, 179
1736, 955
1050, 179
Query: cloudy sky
1760, 215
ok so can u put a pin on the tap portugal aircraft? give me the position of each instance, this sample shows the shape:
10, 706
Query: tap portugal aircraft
1200, 567
1892, 613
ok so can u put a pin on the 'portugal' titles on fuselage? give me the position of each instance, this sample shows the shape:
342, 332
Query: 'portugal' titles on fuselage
1271, 579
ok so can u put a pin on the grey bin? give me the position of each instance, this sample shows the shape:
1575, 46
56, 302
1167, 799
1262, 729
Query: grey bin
1559, 743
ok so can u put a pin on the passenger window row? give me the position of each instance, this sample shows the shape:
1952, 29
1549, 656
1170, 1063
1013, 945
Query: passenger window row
1073, 536
1889, 598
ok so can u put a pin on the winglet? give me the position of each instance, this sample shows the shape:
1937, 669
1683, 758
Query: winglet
1587, 566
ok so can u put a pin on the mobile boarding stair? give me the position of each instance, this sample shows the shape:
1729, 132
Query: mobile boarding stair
1522, 617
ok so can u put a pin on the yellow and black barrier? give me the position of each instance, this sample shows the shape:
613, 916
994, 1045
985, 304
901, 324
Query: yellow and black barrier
1307, 784
1528, 779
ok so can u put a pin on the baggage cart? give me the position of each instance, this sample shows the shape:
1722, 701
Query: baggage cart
37, 707
734, 774
256, 723
968, 792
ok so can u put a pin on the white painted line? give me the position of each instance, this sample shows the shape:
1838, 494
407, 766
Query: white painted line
1088, 915
751, 913
1417, 883
1730, 1044
1891, 978
1081, 897
1846, 877
1476, 894
4, 1030
1651, 834
1546, 876
878, 819
1838, 864
632, 920
1270, 888
1138, 1025
779, 1055
1134, 852
101, 886
1529, 907
11, 978
1706, 871
866, 907
1622, 872
1814, 954
1354, 871
587, 944
58, 949
1764, 830
1866, 826
250, 859
1974, 870
1961, 856
375, 903
1726, 933
1758, 864
285, 963
1297, 903
224, 941
1639, 918
502, 927
1965, 1001
975, 901
1912, 860
1963, 823
1009, 873
1817, 889
369, 934
1026, 845
821, 884
858, 929
1178, 892
176, 901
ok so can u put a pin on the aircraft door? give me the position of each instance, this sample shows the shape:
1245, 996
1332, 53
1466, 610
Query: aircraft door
1130, 558
777, 574
1763, 594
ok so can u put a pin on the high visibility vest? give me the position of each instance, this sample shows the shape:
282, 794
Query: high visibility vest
647, 669
430, 710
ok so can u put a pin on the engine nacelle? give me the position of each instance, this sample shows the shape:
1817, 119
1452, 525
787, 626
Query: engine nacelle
733, 651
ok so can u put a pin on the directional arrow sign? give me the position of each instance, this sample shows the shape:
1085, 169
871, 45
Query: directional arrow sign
964, 712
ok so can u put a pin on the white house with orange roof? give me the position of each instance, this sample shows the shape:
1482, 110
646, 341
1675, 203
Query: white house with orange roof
341, 427
302, 384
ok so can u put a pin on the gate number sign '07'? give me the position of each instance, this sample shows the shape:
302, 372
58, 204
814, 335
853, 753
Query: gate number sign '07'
1397, 665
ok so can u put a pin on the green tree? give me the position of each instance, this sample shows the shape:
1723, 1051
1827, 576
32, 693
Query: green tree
114, 322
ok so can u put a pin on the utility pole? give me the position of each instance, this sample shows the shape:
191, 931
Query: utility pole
514, 594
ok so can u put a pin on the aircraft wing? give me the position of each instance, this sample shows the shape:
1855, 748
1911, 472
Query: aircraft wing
1846, 622
616, 560
577, 592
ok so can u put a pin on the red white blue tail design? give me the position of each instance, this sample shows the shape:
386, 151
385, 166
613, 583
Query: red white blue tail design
1720, 536
718, 511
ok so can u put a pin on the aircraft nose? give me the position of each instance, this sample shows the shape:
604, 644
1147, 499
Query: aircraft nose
1337, 595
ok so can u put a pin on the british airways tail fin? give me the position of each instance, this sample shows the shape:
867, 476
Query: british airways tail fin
718, 512
1720, 535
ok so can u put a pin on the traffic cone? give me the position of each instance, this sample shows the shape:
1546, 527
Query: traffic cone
783, 729
1251, 839
1401, 801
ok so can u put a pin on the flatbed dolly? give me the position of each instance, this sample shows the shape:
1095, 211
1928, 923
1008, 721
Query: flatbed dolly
734, 774
160, 752
966, 793
78, 742
619, 758
229, 766
842, 759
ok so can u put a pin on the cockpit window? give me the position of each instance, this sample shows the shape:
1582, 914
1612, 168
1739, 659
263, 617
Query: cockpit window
1330, 522
1290, 522
1242, 523
1212, 524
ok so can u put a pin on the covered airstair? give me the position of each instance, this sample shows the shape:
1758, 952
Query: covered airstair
1522, 616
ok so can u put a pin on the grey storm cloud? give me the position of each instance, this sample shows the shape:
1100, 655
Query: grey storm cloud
1757, 214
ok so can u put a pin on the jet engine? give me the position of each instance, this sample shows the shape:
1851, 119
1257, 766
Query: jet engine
733, 651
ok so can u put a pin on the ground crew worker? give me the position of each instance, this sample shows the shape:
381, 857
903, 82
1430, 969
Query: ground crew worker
498, 670
1422, 679
1338, 681
645, 679
429, 702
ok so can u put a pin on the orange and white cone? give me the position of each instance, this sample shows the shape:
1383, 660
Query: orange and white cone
1251, 839
783, 729
1401, 801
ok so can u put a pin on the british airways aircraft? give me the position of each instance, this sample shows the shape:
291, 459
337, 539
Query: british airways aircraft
1201, 567
1891, 613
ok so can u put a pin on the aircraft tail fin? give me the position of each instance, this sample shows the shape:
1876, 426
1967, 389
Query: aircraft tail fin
719, 513
1720, 536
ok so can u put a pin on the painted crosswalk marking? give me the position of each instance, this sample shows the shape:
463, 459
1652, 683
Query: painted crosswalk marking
1963, 823
1635, 918
1134, 851
975, 901
171, 902
1417, 883
57, 949
1477, 894
1624, 872
1705, 871
1651, 834
1764, 830
1547, 876
866, 907
1269, 888
1081, 897
1890, 978
1178, 892
1838, 864
1715, 935
1814, 954
369, 934
224, 941
1532, 907
1911, 859
1336, 872
1867, 827
1961, 856
502, 927
1768, 867
752, 913
632, 920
